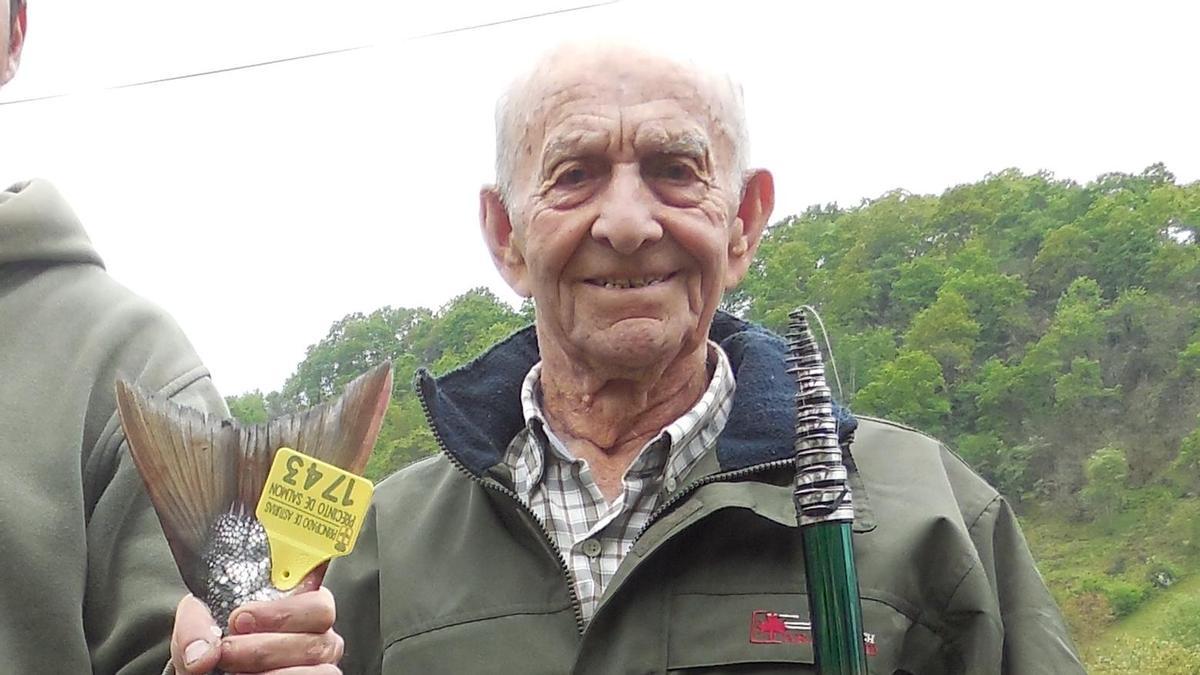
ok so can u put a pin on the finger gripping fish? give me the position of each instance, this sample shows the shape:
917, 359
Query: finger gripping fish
205, 475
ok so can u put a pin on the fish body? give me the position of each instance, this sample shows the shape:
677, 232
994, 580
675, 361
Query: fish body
205, 475
237, 565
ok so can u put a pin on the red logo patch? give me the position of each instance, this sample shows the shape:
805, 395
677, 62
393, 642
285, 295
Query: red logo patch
773, 628
777, 628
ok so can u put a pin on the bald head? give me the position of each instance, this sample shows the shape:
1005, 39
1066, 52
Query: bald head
623, 73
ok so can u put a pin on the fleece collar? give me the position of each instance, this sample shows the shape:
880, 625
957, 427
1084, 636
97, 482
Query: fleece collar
37, 226
476, 410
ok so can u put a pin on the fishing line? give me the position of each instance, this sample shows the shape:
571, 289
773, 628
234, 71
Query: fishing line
828, 348
314, 55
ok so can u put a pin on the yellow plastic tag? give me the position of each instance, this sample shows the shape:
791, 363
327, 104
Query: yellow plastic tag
312, 511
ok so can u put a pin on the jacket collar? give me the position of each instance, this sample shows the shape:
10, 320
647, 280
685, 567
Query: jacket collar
476, 410
37, 226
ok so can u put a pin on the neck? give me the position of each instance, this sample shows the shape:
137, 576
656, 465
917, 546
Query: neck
606, 420
611, 411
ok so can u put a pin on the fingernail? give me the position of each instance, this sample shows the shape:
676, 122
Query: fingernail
244, 623
195, 651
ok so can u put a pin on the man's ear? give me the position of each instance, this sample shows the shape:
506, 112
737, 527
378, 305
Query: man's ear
16, 40
758, 200
502, 242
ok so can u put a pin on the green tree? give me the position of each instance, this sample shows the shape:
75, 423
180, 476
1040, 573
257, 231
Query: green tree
1189, 360
860, 355
1106, 471
998, 303
353, 346
909, 389
404, 438
1067, 253
248, 408
1080, 391
917, 285
1006, 468
461, 321
945, 331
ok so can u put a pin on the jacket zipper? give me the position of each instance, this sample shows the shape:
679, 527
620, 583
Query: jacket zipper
688, 489
576, 605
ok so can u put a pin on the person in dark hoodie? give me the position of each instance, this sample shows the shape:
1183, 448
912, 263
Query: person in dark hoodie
88, 584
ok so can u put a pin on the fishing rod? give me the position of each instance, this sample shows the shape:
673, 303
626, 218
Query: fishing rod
824, 511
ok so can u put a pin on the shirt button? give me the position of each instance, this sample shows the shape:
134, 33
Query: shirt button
591, 548
671, 484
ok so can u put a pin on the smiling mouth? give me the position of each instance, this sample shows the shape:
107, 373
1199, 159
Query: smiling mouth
637, 282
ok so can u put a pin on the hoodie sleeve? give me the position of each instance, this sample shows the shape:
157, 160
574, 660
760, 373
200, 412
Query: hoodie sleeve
89, 584
132, 583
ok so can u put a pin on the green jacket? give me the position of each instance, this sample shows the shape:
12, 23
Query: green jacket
87, 582
454, 575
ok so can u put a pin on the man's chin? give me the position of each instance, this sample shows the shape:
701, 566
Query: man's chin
634, 345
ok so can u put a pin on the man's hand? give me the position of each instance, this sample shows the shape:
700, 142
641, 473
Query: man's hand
289, 636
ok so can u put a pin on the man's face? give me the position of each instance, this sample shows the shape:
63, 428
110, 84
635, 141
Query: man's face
12, 34
626, 229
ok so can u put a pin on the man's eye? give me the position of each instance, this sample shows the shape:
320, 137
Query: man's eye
572, 177
676, 171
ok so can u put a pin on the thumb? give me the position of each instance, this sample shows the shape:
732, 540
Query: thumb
196, 639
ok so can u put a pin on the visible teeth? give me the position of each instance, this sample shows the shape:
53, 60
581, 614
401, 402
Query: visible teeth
632, 283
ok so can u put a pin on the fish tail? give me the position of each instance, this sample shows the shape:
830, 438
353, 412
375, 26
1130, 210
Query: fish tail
197, 467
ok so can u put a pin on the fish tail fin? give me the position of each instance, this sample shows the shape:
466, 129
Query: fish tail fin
197, 467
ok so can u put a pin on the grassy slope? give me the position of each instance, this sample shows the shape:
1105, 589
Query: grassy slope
1159, 637
1154, 619
1101, 573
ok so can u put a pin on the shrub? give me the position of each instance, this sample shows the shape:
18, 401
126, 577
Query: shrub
1161, 573
1125, 597
1087, 614
1186, 467
1122, 596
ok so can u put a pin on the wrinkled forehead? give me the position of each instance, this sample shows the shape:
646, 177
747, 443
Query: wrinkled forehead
651, 99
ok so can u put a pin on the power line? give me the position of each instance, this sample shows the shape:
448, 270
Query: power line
314, 55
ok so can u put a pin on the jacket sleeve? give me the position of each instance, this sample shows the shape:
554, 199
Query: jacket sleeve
133, 585
1036, 639
354, 581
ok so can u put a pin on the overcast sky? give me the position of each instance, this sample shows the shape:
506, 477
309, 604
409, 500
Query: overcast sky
260, 206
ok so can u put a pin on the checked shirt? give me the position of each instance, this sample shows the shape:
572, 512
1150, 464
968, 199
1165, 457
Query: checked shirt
592, 535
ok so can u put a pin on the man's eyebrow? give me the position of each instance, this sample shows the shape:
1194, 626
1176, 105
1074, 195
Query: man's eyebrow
685, 142
571, 144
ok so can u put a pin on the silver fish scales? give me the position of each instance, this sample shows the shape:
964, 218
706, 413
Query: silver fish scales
237, 564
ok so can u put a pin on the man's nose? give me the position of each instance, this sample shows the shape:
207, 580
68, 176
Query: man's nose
626, 220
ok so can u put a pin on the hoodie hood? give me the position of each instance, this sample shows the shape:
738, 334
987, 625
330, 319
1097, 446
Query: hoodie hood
476, 410
37, 226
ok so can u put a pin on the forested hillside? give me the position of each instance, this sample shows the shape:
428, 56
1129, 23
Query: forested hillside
1046, 330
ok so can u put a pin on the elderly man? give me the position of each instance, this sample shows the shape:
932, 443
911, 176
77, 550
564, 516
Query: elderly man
88, 583
613, 488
